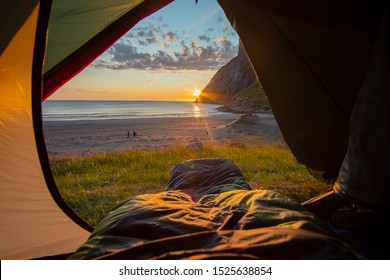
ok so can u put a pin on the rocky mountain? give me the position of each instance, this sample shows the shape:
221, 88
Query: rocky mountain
232, 78
235, 87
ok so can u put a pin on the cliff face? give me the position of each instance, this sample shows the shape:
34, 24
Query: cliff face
231, 79
235, 86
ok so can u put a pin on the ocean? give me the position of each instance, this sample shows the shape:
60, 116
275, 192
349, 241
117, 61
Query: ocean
61, 110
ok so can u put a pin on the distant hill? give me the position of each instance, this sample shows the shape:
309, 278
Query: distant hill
235, 87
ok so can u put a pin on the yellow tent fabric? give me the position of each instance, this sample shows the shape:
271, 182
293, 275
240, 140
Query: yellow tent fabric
31, 223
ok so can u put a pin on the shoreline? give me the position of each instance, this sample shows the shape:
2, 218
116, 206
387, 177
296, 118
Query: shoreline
72, 138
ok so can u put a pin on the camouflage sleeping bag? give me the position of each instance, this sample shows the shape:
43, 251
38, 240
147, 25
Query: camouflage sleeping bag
210, 212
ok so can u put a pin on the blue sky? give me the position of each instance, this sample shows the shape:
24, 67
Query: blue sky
164, 57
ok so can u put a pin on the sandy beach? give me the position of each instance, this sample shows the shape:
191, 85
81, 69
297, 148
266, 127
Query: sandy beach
64, 138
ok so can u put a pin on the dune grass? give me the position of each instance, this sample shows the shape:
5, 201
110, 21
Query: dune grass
93, 184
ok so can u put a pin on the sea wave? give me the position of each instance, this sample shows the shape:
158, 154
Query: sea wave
60, 110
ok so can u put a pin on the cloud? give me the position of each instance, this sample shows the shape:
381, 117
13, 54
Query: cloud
171, 36
124, 56
145, 35
192, 57
224, 24
204, 38
154, 48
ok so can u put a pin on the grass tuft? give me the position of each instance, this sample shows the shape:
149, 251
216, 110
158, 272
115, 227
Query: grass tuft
93, 184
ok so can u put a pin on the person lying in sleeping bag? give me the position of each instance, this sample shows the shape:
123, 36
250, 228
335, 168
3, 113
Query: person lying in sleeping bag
208, 211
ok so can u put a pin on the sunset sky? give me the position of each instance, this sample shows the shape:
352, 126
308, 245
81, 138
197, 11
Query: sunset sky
165, 57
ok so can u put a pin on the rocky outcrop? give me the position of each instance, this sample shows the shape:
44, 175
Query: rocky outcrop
228, 81
250, 100
235, 86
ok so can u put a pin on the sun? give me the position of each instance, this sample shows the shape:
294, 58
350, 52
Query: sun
196, 92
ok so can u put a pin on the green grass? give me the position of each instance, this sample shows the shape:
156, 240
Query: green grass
257, 96
93, 184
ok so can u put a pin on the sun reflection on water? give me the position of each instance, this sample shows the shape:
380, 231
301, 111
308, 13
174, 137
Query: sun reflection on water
196, 110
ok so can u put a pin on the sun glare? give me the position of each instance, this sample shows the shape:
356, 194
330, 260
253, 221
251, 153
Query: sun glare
196, 110
196, 92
